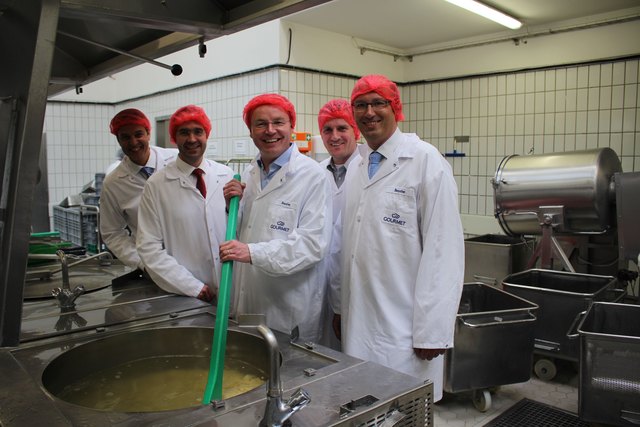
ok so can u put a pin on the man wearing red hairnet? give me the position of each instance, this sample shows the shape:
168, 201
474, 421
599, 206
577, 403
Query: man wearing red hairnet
339, 134
284, 225
182, 216
122, 188
403, 244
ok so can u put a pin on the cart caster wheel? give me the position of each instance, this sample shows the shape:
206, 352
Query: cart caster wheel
545, 369
482, 400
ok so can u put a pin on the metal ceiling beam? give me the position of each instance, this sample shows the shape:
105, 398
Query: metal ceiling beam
160, 47
191, 16
184, 21
204, 17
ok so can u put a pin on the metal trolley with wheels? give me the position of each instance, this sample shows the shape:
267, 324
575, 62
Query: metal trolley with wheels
561, 296
609, 387
493, 343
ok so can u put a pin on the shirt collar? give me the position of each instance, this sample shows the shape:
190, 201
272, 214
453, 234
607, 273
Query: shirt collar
282, 160
332, 166
153, 159
389, 146
186, 168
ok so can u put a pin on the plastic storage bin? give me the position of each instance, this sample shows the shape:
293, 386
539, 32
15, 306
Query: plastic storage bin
493, 342
78, 225
609, 386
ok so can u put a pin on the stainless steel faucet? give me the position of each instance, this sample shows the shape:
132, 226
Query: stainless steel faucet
276, 411
65, 296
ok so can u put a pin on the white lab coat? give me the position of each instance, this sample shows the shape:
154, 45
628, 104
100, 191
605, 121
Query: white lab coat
119, 200
403, 258
287, 226
333, 259
179, 232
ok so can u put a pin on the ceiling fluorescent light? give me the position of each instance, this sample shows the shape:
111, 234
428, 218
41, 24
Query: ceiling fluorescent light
487, 12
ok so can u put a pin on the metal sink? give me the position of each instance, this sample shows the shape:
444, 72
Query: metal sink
171, 355
136, 319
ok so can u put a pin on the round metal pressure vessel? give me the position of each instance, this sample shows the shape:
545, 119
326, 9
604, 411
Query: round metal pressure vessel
573, 190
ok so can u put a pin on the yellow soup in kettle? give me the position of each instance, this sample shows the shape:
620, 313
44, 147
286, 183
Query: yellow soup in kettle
158, 384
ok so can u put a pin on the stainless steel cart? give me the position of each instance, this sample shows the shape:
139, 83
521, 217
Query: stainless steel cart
493, 343
491, 257
609, 387
561, 297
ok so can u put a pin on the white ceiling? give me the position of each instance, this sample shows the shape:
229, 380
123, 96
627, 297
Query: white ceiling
408, 26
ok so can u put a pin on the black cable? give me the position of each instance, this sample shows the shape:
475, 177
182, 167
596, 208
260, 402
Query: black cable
290, 42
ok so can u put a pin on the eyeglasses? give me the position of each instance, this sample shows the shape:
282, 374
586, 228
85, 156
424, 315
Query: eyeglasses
377, 105
184, 132
264, 124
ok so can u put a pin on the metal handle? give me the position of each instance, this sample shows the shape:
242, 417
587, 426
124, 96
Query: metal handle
619, 294
630, 416
546, 345
574, 324
492, 281
532, 318
393, 418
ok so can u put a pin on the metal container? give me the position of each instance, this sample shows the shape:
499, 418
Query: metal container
609, 387
561, 296
574, 186
493, 342
491, 257
134, 318
151, 346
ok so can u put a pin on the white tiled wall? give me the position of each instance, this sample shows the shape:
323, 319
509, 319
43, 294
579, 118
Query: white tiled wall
545, 111
78, 146
309, 91
542, 111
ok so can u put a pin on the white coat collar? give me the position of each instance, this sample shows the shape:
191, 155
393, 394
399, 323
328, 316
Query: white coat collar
392, 149
128, 168
181, 169
281, 176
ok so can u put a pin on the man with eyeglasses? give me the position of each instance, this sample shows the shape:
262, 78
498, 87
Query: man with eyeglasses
122, 188
284, 225
182, 217
339, 135
403, 244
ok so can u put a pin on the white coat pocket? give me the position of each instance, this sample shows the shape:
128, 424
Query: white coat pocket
281, 217
398, 211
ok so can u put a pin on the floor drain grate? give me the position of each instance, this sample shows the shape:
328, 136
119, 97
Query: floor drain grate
529, 413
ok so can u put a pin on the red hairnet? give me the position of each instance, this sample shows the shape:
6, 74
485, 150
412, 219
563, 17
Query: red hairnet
382, 86
273, 100
188, 113
338, 109
130, 116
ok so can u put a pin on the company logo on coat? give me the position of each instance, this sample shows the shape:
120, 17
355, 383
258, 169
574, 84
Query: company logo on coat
394, 219
280, 225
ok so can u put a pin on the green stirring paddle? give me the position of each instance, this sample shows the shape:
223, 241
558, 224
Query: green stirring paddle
213, 390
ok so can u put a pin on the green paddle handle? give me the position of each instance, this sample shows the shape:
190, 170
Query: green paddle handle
213, 390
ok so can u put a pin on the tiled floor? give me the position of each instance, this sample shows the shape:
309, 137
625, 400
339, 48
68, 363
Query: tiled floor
457, 410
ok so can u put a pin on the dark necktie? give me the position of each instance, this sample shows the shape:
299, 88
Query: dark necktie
200, 185
374, 163
147, 171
